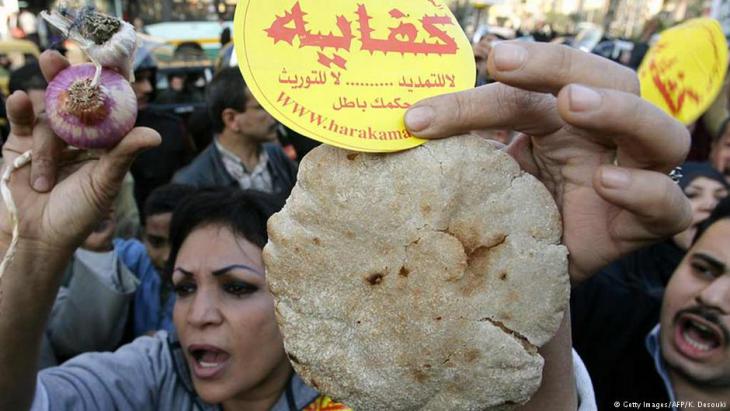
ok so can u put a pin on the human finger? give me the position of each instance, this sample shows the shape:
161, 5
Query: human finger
51, 63
20, 114
550, 67
47, 148
644, 135
650, 207
492, 106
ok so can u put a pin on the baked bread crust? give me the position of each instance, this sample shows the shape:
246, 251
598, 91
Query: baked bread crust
424, 279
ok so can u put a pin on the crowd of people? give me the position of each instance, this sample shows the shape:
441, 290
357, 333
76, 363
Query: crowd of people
139, 281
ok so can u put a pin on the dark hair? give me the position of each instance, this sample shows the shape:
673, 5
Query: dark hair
28, 77
225, 36
721, 212
226, 90
244, 212
164, 199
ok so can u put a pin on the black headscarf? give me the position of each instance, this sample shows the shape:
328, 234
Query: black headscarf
691, 170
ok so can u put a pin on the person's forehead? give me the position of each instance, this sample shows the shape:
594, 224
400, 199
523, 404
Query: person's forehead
212, 245
705, 183
715, 240
158, 222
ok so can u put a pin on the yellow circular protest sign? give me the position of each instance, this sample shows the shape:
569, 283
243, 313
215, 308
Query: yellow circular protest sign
684, 71
344, 72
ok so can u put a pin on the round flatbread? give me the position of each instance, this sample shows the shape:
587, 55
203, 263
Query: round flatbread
421, 280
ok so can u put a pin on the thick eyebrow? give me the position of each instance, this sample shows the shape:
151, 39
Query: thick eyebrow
184, 272
712, 261
223, 270
228, 268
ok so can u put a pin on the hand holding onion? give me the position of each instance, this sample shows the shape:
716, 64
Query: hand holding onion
78, 190
73, 194
89, 106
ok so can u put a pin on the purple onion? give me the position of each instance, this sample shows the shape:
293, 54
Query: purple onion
90, 117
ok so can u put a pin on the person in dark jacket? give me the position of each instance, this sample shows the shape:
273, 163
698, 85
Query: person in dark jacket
156, 167
243, 154
613, 312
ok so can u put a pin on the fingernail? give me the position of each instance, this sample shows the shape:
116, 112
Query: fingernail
583, 98
508, 57
614, 177
41, 184
419, 118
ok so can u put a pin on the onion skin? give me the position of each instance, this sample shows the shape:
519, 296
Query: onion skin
103, 124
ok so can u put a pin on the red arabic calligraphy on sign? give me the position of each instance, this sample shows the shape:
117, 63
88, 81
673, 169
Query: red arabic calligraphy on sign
670, 80
402, 38
674, 91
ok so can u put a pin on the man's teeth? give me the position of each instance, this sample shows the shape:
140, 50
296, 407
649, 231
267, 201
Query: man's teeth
694, 343
702, 327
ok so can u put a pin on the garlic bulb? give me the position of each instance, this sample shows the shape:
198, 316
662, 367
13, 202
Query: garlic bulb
108, 41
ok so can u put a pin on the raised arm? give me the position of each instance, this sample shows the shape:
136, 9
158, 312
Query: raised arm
601, 150
56, 213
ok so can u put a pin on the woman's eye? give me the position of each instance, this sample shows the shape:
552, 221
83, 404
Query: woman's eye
692, 195
184, 289
239, 289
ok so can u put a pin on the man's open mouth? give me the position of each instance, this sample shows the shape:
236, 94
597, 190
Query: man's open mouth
696, 337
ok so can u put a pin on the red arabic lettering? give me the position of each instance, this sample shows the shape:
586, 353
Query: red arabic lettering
279, 31
438, 6
401, 38
669, 88
409, 32
336, 59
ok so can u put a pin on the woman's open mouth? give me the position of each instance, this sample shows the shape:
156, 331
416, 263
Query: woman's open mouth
697, 338
208, 362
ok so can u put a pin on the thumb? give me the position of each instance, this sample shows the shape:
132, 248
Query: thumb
113, 165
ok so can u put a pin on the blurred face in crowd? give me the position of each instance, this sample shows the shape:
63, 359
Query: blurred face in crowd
224, 315
720, 154
481, 52
157, 238
704, 194
695, 319
254, 122
142, 86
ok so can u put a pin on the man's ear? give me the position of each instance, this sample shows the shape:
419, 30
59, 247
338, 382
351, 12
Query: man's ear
228, 116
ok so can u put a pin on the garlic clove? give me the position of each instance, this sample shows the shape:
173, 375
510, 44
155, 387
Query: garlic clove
106, 40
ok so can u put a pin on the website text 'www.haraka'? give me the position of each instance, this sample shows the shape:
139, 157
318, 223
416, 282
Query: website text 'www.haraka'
318, 120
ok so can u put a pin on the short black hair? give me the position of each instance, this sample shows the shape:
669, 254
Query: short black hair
165, 198
244, 212
28, 77
225, 36
226, 90
721, 212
